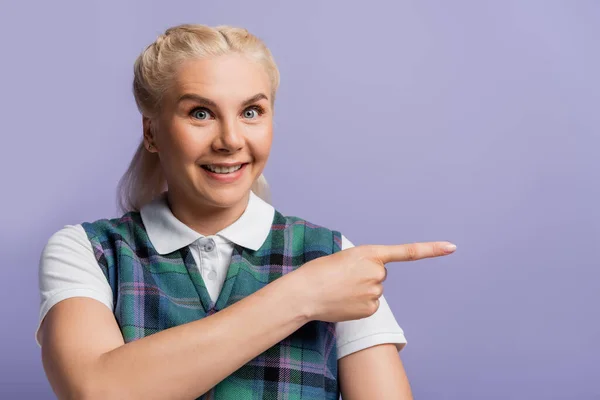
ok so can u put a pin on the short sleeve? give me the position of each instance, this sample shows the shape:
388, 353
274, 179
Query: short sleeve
68, 268
379, 328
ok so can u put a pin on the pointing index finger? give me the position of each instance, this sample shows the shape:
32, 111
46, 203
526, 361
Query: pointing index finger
412, 251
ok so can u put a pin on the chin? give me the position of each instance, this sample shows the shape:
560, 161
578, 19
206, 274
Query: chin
225, 197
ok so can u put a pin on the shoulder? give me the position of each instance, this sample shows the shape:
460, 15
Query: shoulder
68, 268
126, 224
67, 265
291, 220
70, 244
84, 240
70, 237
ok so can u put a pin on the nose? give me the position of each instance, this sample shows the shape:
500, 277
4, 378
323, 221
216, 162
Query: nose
230, 138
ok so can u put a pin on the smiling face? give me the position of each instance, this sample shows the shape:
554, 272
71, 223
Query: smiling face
216, 117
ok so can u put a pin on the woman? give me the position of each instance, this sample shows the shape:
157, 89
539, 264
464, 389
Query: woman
202, 289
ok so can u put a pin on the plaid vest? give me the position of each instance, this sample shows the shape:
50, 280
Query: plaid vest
152, 292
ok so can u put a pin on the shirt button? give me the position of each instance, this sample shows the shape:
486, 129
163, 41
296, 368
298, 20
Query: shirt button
210, 245
212, 275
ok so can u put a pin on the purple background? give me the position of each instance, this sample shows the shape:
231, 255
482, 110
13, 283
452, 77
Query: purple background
399, 121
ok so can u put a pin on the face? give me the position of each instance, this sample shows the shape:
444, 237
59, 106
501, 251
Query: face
214, 132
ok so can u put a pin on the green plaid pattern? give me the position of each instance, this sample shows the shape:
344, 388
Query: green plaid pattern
152, 292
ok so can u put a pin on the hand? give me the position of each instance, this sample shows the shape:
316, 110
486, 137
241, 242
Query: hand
347, 285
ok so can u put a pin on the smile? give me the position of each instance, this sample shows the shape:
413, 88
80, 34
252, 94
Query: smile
223, 170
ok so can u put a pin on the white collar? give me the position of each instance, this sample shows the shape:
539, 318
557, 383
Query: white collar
168, 234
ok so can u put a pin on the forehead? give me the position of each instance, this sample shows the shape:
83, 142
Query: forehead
226, 78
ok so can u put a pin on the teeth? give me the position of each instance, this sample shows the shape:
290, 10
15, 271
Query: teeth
222, 170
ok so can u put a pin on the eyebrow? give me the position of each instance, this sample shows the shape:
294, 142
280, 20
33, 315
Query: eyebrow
209, 102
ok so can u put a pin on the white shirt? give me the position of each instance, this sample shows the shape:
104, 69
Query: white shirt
68, 267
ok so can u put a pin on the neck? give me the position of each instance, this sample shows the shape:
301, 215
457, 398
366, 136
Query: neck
206, 219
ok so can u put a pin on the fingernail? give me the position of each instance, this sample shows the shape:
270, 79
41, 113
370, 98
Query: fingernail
449, 248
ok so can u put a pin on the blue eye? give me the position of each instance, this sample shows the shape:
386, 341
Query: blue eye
200, 113
253, 112
250, 113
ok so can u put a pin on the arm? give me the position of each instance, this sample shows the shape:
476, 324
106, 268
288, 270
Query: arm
85, 358
374, 373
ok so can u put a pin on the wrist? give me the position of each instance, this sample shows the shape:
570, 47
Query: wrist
298, 295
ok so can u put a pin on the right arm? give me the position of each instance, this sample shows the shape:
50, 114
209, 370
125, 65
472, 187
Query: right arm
84, 355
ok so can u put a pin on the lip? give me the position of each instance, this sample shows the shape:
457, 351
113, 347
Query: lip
226, 178
231, 164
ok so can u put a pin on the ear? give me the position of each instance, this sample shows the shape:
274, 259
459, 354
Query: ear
148, 131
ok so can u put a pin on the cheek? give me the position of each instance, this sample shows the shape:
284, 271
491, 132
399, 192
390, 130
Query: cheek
261, 142
186, 141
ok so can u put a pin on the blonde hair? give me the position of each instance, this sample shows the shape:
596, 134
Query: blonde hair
153, 72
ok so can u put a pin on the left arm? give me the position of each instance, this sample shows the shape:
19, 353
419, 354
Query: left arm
371, 367
375, 373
